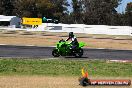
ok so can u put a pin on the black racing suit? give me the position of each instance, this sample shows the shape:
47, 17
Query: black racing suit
74, 42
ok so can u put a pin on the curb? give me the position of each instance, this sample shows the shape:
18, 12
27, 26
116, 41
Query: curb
121, 61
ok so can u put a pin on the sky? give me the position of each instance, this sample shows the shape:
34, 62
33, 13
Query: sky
120, 9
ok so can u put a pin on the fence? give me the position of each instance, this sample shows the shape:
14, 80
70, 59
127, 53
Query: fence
81, 28
92, 29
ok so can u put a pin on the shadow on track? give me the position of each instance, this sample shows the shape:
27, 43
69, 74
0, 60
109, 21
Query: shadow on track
74, 57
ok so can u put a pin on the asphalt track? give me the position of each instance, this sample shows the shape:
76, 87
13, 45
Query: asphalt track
45, 52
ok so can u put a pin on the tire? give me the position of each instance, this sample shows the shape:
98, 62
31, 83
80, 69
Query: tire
55, 53
79, 53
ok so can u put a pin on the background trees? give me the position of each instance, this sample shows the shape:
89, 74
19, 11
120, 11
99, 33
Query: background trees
97, 12
100, 11
60, 8
32, 8
6, 7
128, 14
77, 11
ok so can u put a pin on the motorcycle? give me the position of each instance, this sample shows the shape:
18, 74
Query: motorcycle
63, 48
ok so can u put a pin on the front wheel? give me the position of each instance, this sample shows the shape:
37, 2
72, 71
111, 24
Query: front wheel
55, 53
79, 53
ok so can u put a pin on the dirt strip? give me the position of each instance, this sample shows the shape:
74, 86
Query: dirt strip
52, 40
48, 82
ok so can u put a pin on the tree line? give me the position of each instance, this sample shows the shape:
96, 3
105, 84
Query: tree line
97, 12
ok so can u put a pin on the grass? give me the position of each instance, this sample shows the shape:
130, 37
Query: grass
44, 73
64, 67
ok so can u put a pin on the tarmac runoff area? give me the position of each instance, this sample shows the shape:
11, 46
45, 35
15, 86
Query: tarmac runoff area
12, 51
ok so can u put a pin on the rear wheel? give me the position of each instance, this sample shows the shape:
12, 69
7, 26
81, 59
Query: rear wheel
55, 53
79, 53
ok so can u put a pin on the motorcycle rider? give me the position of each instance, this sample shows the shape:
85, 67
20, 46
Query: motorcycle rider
73, 39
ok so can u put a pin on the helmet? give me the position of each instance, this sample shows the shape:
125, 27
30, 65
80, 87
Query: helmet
71, 34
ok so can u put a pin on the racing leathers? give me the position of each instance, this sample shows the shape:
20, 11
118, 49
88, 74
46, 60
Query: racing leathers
74, 42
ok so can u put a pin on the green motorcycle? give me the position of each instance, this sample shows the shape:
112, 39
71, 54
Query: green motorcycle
63, 48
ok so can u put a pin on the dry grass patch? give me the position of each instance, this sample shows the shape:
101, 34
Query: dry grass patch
38, 41
47, 82
108, 43
50, 39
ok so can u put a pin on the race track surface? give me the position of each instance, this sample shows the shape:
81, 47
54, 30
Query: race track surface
45, 52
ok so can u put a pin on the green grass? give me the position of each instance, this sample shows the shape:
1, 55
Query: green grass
62, 67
